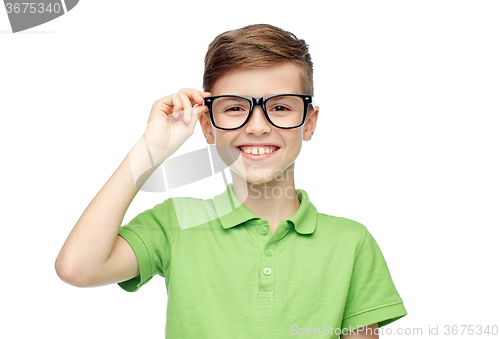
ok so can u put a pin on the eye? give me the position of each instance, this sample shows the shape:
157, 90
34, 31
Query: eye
281, 108
234, 109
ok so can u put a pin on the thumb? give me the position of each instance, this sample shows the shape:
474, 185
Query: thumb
200, 110
196, 113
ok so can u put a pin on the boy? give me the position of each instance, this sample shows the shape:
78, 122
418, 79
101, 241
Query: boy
258, 260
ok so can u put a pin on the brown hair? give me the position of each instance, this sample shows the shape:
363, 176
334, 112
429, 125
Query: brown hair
255, 46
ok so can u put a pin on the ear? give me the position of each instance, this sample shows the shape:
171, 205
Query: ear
206, 127
310, 124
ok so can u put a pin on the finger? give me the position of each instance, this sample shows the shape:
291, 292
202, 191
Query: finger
206, 94
187, 105
163, 105
186, 101
177, 103
166, 101
197, 113
195, 95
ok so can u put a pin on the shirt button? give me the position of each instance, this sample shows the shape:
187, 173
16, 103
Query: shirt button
263, 230
267, 271
268, 252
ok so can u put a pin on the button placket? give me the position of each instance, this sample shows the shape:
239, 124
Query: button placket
266, 284
266, 259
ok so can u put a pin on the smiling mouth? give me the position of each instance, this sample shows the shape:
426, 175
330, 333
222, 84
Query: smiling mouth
258, 151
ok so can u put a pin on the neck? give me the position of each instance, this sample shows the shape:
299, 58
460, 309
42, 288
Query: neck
273, 201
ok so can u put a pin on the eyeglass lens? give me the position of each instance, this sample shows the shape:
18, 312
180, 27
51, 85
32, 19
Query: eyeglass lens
283, 111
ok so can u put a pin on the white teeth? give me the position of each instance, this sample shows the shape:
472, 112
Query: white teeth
255, 150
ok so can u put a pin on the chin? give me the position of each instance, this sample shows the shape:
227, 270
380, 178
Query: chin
259, 177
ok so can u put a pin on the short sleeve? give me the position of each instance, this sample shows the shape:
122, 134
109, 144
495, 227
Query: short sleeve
150, 235
372, 296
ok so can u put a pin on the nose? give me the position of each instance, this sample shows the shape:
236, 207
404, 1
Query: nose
258, 123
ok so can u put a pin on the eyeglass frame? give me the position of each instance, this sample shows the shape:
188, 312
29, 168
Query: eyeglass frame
208, 101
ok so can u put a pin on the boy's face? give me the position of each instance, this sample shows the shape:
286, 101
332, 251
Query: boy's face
278, 79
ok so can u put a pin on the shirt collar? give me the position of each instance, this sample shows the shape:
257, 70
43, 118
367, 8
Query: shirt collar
231, 212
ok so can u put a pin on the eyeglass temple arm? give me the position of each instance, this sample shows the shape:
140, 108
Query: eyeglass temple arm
312, 102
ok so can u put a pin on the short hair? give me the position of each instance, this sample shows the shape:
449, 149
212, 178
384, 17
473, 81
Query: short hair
256, 46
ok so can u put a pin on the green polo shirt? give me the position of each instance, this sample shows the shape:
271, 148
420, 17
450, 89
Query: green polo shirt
227, 276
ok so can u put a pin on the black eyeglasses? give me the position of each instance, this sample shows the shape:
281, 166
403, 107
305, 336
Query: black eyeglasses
286, 111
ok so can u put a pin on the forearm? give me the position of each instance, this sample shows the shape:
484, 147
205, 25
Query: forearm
92, 239
367, 332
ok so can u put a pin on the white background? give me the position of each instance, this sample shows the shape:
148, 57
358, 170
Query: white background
407, 144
